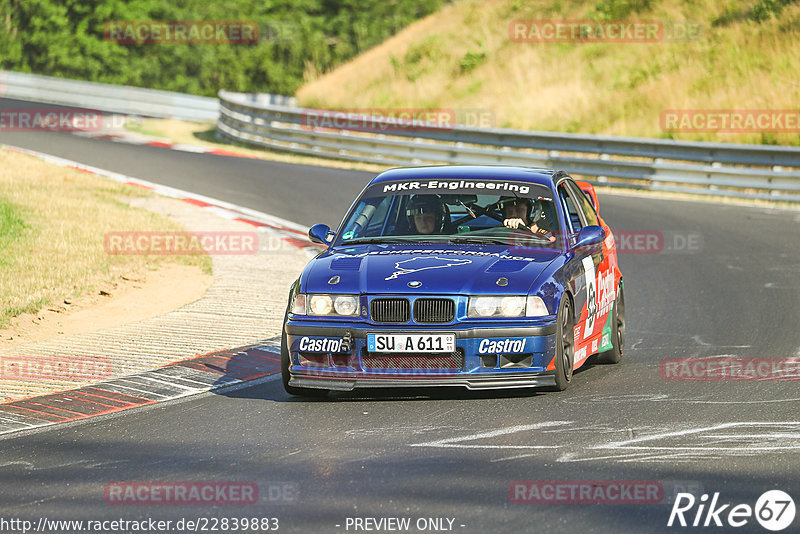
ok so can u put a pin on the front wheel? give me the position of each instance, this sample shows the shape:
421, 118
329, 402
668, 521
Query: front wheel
285, 376
614, 354
565, 344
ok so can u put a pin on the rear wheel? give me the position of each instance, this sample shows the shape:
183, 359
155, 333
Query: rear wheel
565, 344
614, 354
285, 376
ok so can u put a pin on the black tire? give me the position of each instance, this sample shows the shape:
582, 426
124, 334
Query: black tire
292, 390
565, 344
614, 354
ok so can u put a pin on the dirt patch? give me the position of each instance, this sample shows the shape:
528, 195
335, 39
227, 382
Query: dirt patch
129, 298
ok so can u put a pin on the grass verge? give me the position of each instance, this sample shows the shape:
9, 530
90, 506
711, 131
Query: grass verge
52, 224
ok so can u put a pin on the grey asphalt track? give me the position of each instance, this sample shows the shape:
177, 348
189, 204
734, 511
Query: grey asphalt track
455, 455
302, 193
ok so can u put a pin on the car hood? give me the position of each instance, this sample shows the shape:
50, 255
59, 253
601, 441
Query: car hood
427, 270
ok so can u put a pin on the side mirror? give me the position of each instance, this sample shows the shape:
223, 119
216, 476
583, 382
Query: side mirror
319, 233
590, 235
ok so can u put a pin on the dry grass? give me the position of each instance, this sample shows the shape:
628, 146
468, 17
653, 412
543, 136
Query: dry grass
462, 58
53, 220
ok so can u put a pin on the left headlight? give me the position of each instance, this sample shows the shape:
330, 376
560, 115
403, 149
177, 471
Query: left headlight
510, 306
316, 304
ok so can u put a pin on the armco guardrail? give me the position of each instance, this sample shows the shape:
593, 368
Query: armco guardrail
706, 168
106, 97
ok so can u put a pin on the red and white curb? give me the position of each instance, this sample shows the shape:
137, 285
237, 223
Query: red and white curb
223, 369
136, 139
253, 364
291, 233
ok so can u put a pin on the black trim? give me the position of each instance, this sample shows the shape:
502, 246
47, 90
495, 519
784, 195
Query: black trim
475, 382
360, 332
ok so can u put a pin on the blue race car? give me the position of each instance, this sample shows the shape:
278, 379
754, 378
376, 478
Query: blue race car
473, 276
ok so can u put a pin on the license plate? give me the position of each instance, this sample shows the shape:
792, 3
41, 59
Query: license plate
411, 342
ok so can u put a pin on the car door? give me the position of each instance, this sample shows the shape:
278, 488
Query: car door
607, 279
583, 269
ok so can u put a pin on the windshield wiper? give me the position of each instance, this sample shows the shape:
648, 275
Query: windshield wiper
378, 239
479, 239
424, 238
506, 240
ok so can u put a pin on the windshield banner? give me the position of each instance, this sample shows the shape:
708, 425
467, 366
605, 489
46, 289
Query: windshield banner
433, 186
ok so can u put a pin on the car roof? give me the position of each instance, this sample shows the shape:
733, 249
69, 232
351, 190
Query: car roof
467, 172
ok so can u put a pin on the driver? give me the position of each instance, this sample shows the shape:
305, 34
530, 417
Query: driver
426, 214
517, 211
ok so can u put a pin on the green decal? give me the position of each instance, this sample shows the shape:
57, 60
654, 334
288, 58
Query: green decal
605, 339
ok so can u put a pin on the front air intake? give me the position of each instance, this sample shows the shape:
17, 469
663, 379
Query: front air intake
390, 310
431, 311
450, 361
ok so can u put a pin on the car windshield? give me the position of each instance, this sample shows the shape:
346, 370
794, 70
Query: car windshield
479, 211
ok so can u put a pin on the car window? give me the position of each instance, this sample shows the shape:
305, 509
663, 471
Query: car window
573, 213
460, 211
378, 219
368, 218
584, 204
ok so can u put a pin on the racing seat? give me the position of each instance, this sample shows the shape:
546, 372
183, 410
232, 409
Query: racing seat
548, 219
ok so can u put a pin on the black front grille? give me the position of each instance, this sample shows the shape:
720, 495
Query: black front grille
396, 310
434, 310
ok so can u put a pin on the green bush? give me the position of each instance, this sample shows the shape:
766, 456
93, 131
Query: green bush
765, 9
471, 60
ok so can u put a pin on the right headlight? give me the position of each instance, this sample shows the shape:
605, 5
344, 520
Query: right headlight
506, 306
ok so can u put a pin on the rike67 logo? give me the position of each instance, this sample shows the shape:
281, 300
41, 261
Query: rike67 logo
774, 510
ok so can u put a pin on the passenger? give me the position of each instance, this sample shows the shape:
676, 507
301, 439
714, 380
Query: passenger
517, 211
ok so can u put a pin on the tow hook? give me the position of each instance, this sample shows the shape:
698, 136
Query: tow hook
347, 341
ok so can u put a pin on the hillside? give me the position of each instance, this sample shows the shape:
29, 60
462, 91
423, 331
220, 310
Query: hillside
745, 56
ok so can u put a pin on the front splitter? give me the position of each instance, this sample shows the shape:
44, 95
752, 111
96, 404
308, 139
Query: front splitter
478, 382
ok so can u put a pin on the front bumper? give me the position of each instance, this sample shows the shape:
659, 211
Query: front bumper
338, 357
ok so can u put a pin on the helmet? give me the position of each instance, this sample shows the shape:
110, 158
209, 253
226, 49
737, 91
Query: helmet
534, 209
508, 200
419, 204
513, 200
